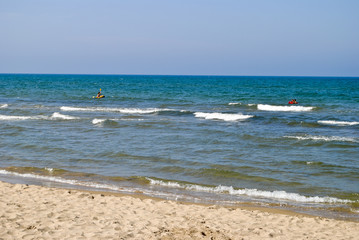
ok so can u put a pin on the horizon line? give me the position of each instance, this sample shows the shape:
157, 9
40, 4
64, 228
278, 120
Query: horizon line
189, 75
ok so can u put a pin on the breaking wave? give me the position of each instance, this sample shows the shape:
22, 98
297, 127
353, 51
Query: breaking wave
57, 115
121, 110
98, 121
279, 195
275, 195
222, 116
324, 138
54, 116
265, 107
62, 180
21, 118
338, 123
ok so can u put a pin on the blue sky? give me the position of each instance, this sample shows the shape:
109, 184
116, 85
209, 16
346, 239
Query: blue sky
195, 37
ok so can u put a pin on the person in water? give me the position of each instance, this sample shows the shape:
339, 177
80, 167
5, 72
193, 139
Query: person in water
99, 95
293, 101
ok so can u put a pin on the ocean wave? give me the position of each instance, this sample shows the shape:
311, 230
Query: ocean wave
62, 180
21, 118
130, 119
85, 184
274, 195
57, 115
4, 105
98, 121
121, 110
324, 138
337, 123
265, 107
54, 116
49, 169
106, 122
222, 116
278, 195
234, 103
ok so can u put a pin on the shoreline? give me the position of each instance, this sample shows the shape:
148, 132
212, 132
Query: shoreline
32, 212
334, 212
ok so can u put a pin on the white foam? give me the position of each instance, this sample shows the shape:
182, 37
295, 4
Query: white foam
279, 195
62, 180
265, 107
54, 116
57, 115
4, 105
222, 116
21, 118
324, 138
235, 103
98, 121
121, 110
129, 119
70, 109
337, 123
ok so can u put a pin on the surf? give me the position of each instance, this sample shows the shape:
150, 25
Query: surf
60, 116
109, 109
274, 108
337, 123
222, 116
54, 116
20, 118
324, 138
277, 195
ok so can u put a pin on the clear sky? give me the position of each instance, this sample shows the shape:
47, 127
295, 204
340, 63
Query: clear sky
195, 37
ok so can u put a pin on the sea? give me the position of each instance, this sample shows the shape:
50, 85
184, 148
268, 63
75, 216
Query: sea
225, 140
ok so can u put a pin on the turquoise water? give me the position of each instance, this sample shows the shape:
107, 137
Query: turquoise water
196, 138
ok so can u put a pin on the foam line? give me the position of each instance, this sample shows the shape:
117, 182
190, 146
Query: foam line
337, 123
324, 138
57, 115
54, 116
265, 107
121, 110
21, 118
98, 121
222, 116
279, 195
61, 180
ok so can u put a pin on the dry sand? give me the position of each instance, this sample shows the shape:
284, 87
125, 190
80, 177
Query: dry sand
34, 212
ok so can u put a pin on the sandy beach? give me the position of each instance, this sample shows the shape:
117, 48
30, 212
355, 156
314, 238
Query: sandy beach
35, 212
